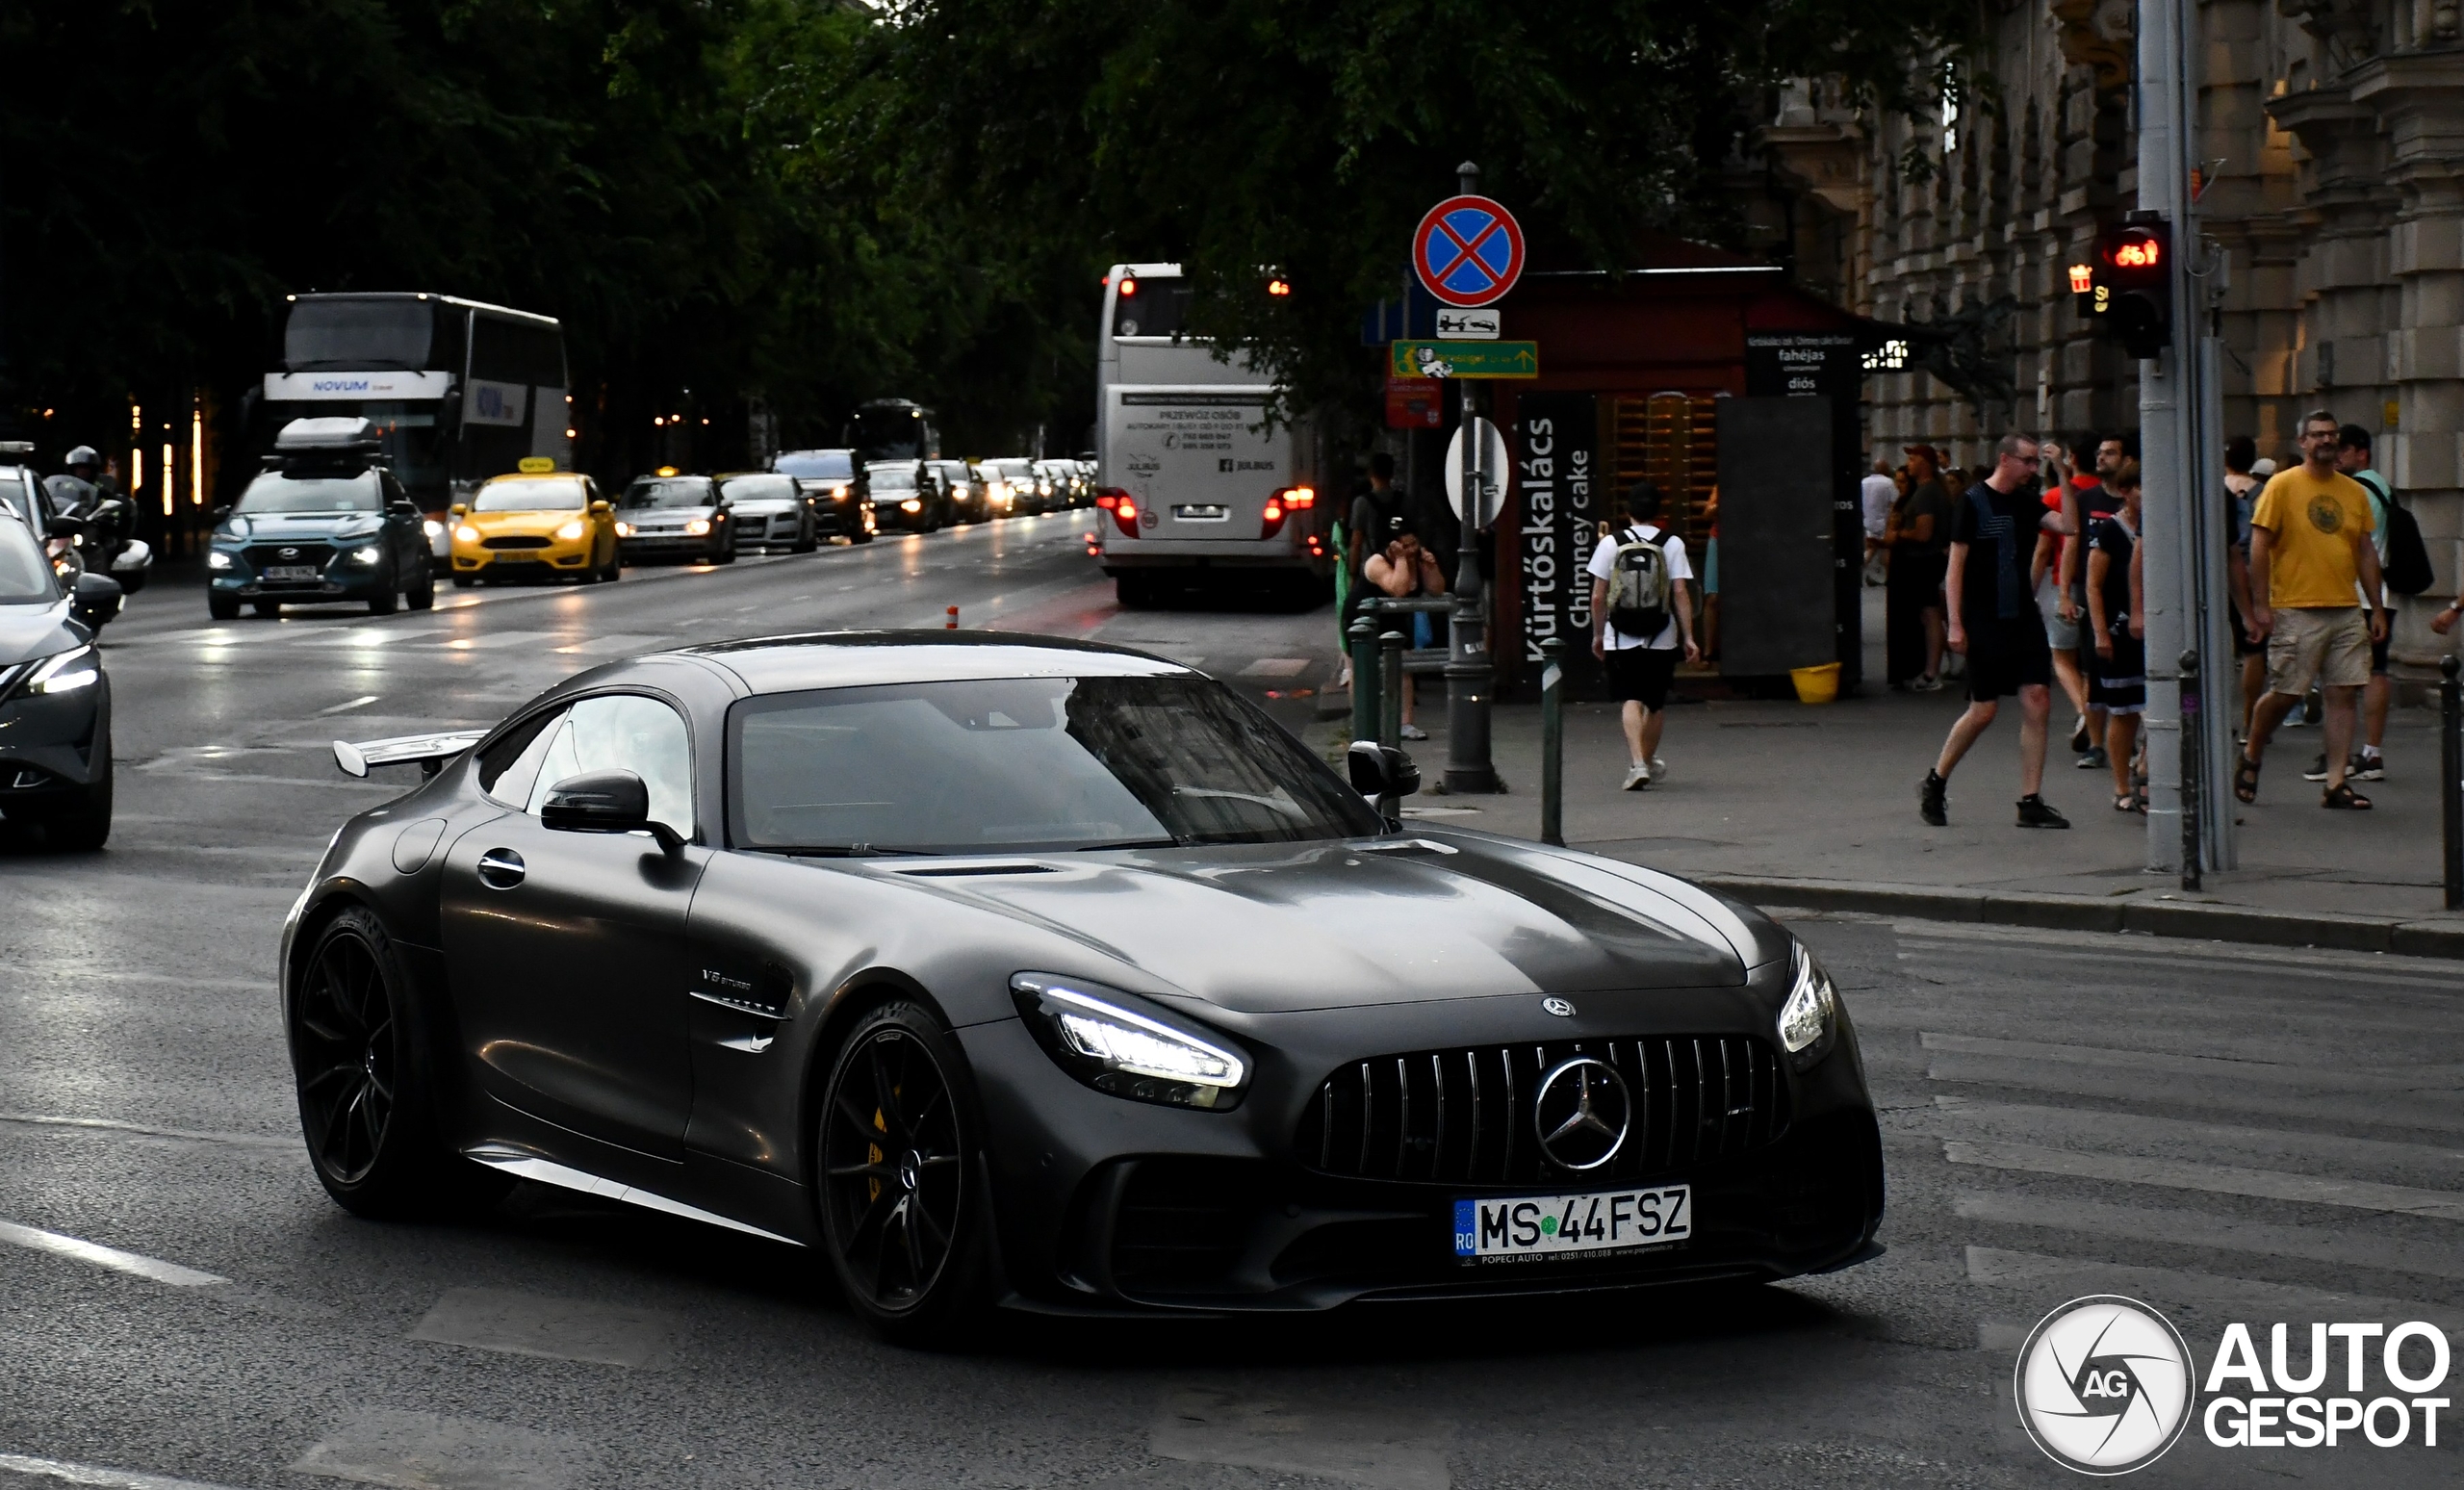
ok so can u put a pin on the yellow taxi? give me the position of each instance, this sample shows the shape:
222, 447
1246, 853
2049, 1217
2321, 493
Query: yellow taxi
539, 525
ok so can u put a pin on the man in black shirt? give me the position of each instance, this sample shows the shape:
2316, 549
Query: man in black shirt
1994, 621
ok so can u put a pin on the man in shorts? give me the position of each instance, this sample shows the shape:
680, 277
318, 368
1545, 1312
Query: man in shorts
1639, 668
2309, 544
2367, 764
1994, 621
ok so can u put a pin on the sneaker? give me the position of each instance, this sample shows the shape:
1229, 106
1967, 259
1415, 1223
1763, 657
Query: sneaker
2034, 814
1415, 732
1927, 685
1637, 778
1660, 769
2318, 770
1932, 800
2369, 768
2079, 741
2095, 759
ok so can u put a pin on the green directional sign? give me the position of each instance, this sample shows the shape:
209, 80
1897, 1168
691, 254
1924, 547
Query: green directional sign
1466, 359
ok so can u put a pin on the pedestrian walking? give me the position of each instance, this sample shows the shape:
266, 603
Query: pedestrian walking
1640, 620
1405, 570
2241, 490
2367, 764
2085, 497
2309, 544
1994, 621
2116, 628
1917, 535
1879, 494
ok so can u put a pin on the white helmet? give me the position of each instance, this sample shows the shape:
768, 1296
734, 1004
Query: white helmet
83, 455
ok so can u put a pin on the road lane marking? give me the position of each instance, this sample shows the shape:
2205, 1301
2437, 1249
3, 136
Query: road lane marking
2223, 1179
362, 702
1276, 667
2093, 1126
2150, 953
615, 641
102, 1256
1248, 1430
491, 641
2402, 1078
418, 1450
2177, 1228
191, 1134
2217, 1298
561, 1329
93, 1474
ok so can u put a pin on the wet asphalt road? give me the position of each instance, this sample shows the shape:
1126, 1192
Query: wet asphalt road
2226, 1133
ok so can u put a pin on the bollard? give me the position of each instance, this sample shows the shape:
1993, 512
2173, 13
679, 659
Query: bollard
1390, 709
1552, 743
951, 624
2191, 760
2451, 781
1364, 678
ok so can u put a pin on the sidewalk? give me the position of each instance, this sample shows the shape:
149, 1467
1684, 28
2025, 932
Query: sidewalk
1786, 804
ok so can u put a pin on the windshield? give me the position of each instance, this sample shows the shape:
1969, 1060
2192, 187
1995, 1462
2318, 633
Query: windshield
25, 577
547, 493
669, 492
274, 493
1150, 305
759, 488
1014, 764
816, 465
1012, 470
892, 479
373, 333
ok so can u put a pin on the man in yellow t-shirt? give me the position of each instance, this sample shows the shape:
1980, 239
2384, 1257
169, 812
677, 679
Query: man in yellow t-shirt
2309, 545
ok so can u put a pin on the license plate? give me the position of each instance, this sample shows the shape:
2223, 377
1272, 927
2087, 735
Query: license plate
291, 571
1532, 1227
515, 558
1201, 512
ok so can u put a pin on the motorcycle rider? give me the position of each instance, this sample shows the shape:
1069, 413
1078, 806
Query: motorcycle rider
76, 491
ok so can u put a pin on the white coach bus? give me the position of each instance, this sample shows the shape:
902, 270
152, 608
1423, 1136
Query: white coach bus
1194, 483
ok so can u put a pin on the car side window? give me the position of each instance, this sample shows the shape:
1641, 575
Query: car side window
625, 732
510, 767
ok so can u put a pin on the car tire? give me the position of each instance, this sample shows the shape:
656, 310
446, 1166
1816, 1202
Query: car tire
421, 595
223, 607
907, 1223
807, 539
364, 1063
83, 829
385, 601
465, 582
270, 609
726, 556
615, 570
861, 534
1135, 591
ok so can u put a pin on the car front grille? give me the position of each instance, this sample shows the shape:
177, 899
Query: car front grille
516, 541
1466, 1115
261, 554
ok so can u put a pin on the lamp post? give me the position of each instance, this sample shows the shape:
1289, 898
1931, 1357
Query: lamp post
1470, 678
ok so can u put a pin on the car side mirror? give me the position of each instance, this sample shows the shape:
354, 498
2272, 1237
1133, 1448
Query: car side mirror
604, 802
601, 506
460, 509
221, 512
97, 600
1381, 770
400, 509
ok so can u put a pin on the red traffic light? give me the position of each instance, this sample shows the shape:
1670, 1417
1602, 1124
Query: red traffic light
2133, 249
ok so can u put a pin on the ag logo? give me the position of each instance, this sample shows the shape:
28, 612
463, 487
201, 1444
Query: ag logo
2104, 1385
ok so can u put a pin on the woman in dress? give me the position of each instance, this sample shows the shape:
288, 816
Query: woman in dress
2117, 679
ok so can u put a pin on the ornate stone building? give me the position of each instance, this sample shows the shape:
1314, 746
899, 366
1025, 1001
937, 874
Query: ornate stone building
2332, 135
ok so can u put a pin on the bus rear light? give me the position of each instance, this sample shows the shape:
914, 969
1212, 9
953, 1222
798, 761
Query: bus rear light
1109, 497
1129, 287
1273, 518
1125, 516
1298, 499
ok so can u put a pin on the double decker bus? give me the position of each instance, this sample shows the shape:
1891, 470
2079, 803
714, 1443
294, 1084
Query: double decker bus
1193, 479
459, 391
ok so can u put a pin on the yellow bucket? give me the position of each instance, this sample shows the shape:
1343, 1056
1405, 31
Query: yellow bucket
1816, 684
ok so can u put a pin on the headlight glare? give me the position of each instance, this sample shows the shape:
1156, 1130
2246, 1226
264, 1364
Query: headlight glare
910, 504
465, 533
572, 530
1097, 1036
1811, 1015
624, 529
65, 672
697, 527
217, 560
367, 555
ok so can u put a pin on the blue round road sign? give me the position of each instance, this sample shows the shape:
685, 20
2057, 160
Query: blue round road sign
1467, 251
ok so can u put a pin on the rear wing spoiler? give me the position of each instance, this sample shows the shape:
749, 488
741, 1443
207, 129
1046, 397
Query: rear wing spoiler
430, 751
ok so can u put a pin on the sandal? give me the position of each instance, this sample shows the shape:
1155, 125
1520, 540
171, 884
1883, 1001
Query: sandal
2246, 780
2128, 802
2344, 799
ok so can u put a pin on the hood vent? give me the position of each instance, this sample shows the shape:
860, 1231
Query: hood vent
974, 871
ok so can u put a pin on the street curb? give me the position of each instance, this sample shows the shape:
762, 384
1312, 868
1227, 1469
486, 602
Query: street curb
2443, 939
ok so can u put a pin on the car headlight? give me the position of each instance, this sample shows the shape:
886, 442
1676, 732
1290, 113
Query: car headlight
572, 530
911, 504
367, 555
1097, 1036
432, 527
1810, 1017
217, 559
624, 529
839, 494
465, 533
697, 527
65, 672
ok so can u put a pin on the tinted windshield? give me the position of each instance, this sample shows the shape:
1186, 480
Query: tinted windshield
892, 479
1015, 764
25, 577
669, 492
759, 488
552, 494
816, 465
386, 333
1156, 307
276, 493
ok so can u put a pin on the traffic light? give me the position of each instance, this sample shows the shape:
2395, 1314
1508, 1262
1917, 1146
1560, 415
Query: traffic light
2127, 287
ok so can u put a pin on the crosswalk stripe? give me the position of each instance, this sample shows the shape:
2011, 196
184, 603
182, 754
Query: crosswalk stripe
2411, 1078
2357, 1108
2095, 1126
2175, 1227
2223, 1179
69, 1474
101, 1256
492, 641
2217, 1297
615, 641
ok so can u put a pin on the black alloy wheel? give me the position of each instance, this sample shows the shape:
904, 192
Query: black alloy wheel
367, 1103
900, 1208
421, 594
387, 601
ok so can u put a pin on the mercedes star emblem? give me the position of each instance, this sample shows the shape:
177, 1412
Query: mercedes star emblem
1558, 1007
1581, 1114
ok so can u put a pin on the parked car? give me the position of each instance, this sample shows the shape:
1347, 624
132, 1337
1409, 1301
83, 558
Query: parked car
771, 511
535, 528
842, 506
676, 516
1068, 488
323, 524
1014, 486
965, 489
906, 496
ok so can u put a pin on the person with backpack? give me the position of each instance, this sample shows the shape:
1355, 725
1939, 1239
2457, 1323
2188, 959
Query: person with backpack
1996, 621
1640, 620
2352, 458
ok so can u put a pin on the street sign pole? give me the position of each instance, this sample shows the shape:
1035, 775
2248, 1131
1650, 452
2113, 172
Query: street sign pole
1470, 678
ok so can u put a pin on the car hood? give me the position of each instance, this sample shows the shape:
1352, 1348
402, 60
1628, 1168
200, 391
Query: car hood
299, 527
538, 523
1276, 929
30, 632
648, 516
762, 506
894, 493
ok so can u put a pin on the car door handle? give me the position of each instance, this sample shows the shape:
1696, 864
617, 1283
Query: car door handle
500, 869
